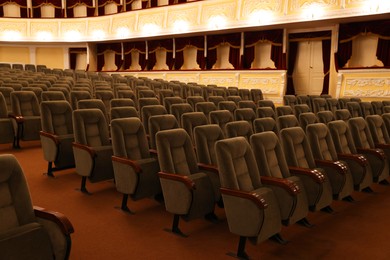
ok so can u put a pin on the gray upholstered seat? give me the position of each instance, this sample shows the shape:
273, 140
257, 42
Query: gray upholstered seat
235, 99
232, 91
92, 148
148, 111
123, 112
246, 114
122, 102
354, 109
75, 96
169, 101
227, 105
147, 102
191, 120
290, 100
164, 93
266, 103
247, 104
325, 117
366, 108
265, 124
301, 108
216, 99
333, 104
25, 105
287, 121
301, 162
57, 135
252, 210
135, 170
346, 151
342, 114
284, 110
8, 125
221, 118
306, 119
159, 123
319, 104
325, 156
272, 165
379, 133
304, 99
178, 109
205, 107
180, 174
265, 112
239, 128
94, 103
256, 95
194, 99
377, 107
244, 94
343, 102
364, 144
52, 95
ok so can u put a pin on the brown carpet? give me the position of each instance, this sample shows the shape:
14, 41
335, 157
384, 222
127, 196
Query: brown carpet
358, 230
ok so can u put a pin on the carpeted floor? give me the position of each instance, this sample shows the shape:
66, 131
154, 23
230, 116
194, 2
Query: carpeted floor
358, 230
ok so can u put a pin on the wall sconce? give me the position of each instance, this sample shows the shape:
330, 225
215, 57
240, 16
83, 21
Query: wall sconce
259, 17
11, 35
44, 36
122, 32
217, 22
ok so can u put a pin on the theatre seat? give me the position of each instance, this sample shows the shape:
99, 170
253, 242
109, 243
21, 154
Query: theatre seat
272, 165
252, 210
325, 156
239, 128
265, 124
8, 125
92, 148
27, 231
325, 117
301, 163
123, 112
283, 111
221, 118
135, 170
306, 119
57, 135
180, 174
286, 121
343, 114
191, 120
158, 123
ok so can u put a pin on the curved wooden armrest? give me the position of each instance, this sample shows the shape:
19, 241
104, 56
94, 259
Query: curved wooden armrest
180, 178
255, 198
208, 167
377, 152
153, 151
337, 165
51, 136
288, 185
382, 146
127, 161
18, 119
315, 174
86, 148
60, 219
359, 158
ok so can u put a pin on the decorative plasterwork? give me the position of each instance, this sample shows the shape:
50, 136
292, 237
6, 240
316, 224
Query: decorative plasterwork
248, 6
296, 6
73, 26
220, 79
20, 26
50, 27
123, 22
220, 8
146, 18
189, 15
99, 24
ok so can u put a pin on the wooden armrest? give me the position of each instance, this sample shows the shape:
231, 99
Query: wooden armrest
60, 219
315, 174
86, 148
153, 151
51, 136
337, 165
288, 185
127, 161
377, 152
208, 167
382, 146
255, 198
180, 178
359, 158
18, 119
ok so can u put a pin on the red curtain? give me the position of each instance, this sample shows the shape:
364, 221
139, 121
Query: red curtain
103, 3
273, 36
73, 52
128, 47
181, 43
102, 48
57, 4
72, 3
23, 8
383, 51
153, 46
234, 39
292, 56
326, 44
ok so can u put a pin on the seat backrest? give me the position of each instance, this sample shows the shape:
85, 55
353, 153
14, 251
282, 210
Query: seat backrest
221, 118
265, 124
301, 108
304, 99
386, 120
129, 138
366, 108
296, 148
289, 100
265, 112
239, 128
56, 117
169, 101
178, 109
321, 142
269, 155
25, 103
284, 110
122, 102
216, 99
319, 104
191, 120
360, 132
342, 137
378, 129
7, 96
205, 138
227, 105
148, 111
325, 116
159, 123
247, 104
52, 95
3, 107
287, 121
342, 114
246, 114
333, 104
147, 102
122, 112
90, 127
192, 100
232, 91
235, 99
205, 107
256, 94
237, 165
175, 152
354, 109
306, 119
244, 94
75, 96
266, 103
377, 106
343, 102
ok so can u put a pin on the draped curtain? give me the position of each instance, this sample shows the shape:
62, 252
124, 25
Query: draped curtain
140, 47
349, 31
325, 37
70, 4
156, 44
73, 52
36, 7
22, 4
104, 47
233, 39
103, 3
181, 43
275, 37
127, 4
